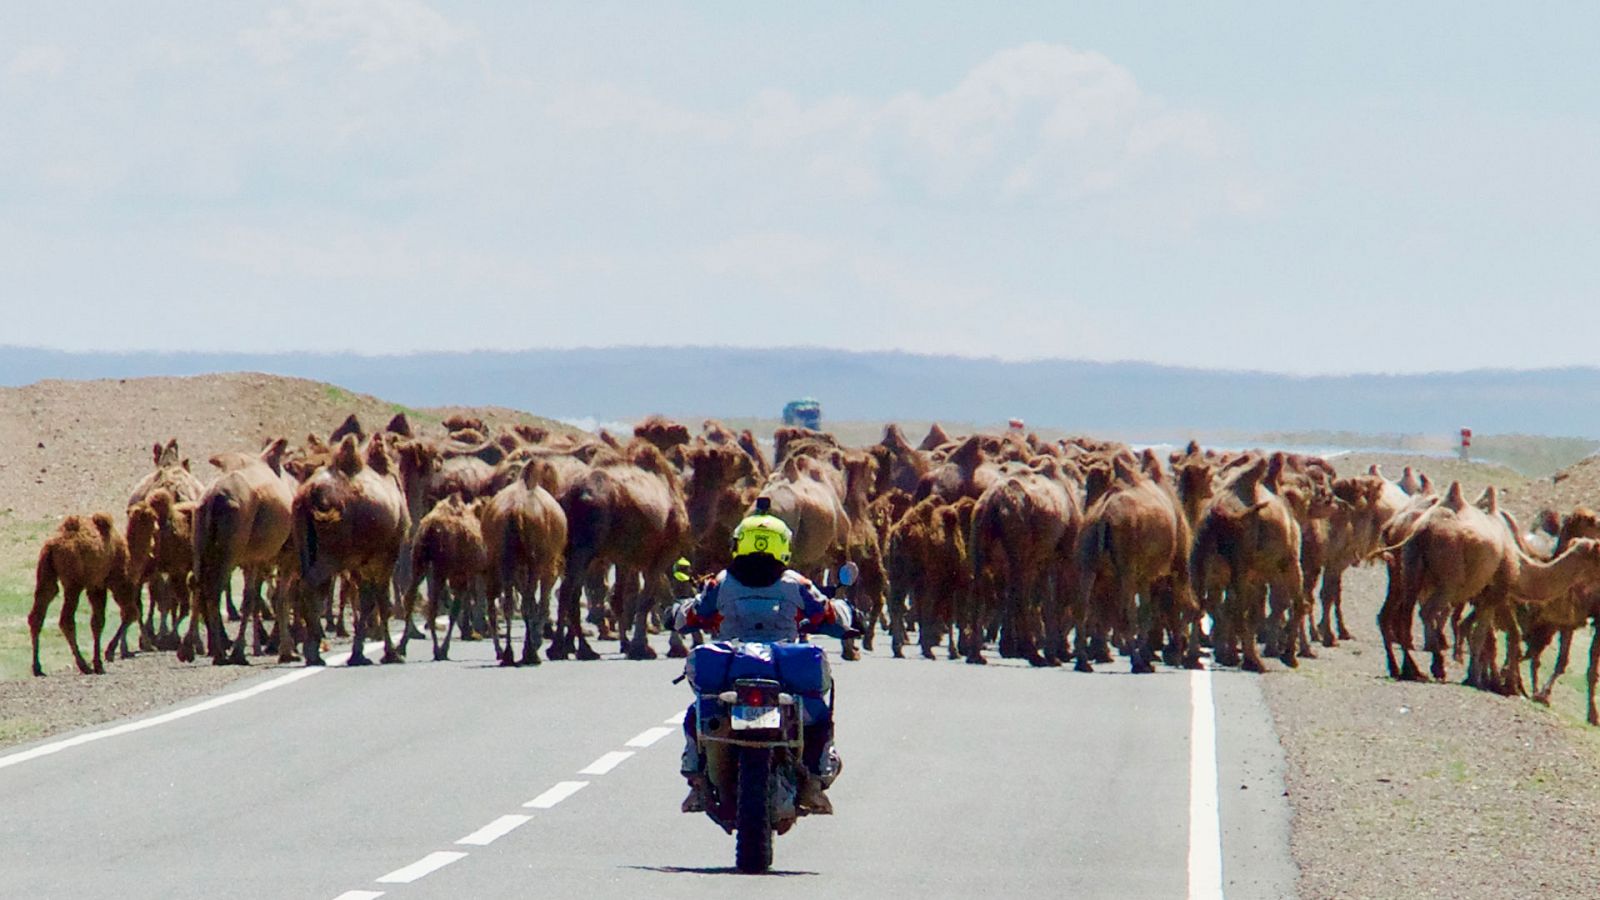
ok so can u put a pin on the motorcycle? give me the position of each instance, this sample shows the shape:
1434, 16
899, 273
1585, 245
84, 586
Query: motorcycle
752, 702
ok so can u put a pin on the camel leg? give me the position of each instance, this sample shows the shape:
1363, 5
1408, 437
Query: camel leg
69, 626
381, 604
1252, 610
41, 605
1594, 658
97, 625
1511, 673
533, 619
1563, 651
246, 613
637, 609
358, 655
1337, 597
1326, 595
507, 610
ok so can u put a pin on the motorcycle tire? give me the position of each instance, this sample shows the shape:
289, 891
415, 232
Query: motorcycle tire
752, 840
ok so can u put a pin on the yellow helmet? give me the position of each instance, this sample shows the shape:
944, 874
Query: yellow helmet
762, 534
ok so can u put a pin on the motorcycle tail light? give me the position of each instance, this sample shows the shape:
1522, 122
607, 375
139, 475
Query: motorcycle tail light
757, 695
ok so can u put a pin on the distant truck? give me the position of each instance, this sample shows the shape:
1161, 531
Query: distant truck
804, 413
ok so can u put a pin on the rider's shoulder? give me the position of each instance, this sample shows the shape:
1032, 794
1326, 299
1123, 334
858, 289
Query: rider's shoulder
793, 577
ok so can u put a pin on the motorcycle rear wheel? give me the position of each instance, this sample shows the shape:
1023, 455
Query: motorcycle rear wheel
752, 841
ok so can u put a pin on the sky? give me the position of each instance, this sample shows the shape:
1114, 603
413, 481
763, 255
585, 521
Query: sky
1351, 187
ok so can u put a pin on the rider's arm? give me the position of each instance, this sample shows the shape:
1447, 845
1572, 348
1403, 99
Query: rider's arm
699, 612
822, 614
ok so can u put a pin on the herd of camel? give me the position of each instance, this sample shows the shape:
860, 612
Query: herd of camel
1049, 551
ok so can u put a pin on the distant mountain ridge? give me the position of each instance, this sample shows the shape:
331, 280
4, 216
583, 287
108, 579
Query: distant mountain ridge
1125, 398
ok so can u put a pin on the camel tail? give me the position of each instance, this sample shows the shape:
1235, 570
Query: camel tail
1095, 540
305, 529
211, 519
45, 577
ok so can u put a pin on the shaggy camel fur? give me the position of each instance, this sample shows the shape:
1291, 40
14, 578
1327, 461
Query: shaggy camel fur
1134, 544
900, 465
85, 554
926, 561
242, 521
717, 493
525, 532
350, 519
172, 475
967, 472
1349, 535
161, 550
627, 512
1023, 527
448, 552
1249, 532
808, 495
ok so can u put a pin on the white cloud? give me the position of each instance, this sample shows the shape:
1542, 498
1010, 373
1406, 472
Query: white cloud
46, 59
379, 33
348, 253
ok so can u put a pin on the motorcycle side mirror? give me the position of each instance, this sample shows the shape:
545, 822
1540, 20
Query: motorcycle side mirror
848, 573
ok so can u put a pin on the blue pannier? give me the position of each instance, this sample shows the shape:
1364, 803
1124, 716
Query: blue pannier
800, 668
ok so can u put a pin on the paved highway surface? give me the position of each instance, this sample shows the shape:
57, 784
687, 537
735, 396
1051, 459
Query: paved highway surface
463, 780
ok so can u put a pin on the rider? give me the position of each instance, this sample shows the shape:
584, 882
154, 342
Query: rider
759, 598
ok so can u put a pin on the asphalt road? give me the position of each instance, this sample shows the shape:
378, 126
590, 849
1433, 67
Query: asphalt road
359, 783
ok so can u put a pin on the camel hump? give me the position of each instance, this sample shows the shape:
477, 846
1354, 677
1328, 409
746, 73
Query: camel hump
1375, 469
103, 524
399, 425
272, 454
1455, 498
377, 456
160, 500
347, 459
1123, 470
168, 455
72, 524
350, 426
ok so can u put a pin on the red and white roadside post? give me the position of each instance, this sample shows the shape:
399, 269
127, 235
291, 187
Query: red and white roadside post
1466, 443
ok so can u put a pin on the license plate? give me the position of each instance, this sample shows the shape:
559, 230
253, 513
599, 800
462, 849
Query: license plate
746, 717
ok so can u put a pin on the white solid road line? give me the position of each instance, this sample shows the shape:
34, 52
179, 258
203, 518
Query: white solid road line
560, 792
433, 862
359, 895
648, 736
606, 763
499, 828
1205, 829
162, 719
676, 718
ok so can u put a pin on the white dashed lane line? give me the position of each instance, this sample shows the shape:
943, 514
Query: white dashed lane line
433, 862
504, 825
499, 828
560, 792
606, 763
648, 737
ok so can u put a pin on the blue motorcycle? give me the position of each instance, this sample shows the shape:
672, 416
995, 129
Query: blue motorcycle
753, 702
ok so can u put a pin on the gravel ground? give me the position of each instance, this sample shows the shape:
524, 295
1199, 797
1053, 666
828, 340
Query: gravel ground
1430, 790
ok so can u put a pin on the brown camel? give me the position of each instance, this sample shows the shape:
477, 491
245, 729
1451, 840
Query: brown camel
717, 492
1134, 543
350, 519
1249, 532
808, 495
242, 521
900, 465
926, 561
1565, 616
1459, 554
448, 552
84, 555
172, 475
1022, 527
626, 512
525, 532
161, 549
